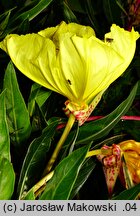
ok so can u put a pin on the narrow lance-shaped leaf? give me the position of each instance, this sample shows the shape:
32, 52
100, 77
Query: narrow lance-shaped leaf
5, 19
36, 7
17, 114
99, 128
7, 176
33, 12
68, 14
65, 175
7, 179
129, 194
4, 133
35, 159
85, 171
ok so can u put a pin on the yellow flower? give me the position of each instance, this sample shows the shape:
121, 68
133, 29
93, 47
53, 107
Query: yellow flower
71, 60
131, 152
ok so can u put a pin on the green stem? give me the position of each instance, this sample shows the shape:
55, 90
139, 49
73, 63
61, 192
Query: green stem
66, 131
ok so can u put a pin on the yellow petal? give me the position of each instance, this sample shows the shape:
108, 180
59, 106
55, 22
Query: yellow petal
72, 68
130, 145
62, 28
131, 152
81, 30
48, 32
34, 56
57, 33
121, 40
124, 43
134, 172
88, 63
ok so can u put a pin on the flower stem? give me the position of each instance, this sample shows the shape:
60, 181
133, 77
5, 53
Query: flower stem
99, 151
66, 131
42, 182
93, 153
39, 186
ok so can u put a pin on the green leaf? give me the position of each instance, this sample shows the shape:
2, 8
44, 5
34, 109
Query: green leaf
17, 114
4, 133
100, 128
68, 14
32, 13
65, 175
4, 19
84, 173
115, 139
38, 95
34, 162
129, 194
74, 139
7, 179
30, 195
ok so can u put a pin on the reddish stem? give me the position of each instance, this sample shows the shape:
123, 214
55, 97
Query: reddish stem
93, 118
137, 118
